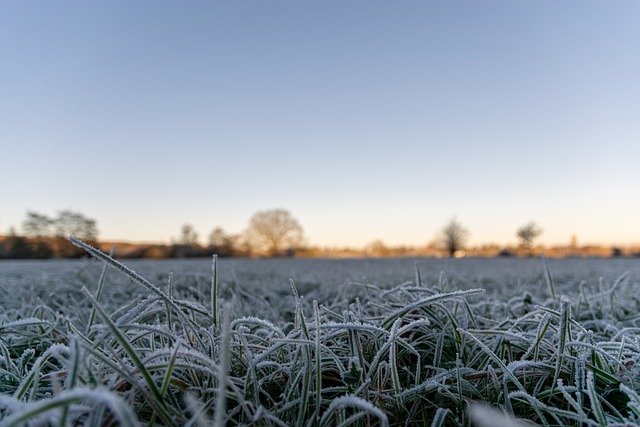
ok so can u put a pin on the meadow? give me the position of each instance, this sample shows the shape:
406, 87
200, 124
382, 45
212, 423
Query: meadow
319, 342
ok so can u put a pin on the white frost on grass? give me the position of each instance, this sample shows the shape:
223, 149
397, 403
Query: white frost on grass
357, 354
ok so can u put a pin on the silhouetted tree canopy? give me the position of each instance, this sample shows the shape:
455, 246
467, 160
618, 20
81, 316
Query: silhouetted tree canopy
528, 233
69, 223
46, 237
221, 243
218, 237
37, 225
188, 235
274, 232
454, 236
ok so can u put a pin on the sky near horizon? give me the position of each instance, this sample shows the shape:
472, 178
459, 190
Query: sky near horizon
366, 119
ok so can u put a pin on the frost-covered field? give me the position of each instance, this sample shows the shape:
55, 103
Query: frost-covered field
319, 342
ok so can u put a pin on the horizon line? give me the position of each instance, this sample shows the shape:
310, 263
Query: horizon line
427, 244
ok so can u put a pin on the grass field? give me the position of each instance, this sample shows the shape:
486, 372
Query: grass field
418, 348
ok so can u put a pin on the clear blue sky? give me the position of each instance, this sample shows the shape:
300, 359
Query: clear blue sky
366, 119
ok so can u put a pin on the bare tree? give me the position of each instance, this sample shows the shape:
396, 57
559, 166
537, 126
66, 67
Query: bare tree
274, 232
38, 228
220, 242
37, 225
188, 236
528, 233
218, 237
454, 236
69, 223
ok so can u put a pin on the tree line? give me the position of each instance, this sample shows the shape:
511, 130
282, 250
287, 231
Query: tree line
277, 233
46, 237
270, 233
454, 237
